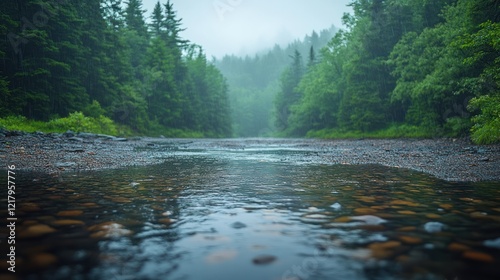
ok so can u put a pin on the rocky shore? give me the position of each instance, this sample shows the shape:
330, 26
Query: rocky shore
448, 159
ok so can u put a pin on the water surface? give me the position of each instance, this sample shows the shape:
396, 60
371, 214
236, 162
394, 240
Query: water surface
254, 213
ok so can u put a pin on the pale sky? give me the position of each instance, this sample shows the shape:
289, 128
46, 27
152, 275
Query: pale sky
246, 26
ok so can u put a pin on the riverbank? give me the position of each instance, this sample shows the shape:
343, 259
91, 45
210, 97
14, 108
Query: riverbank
448, 159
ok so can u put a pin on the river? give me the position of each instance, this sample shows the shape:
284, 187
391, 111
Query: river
259, 212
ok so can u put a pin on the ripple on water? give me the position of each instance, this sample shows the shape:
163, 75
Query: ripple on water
248, 219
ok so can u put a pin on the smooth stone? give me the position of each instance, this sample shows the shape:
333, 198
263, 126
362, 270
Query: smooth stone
166, 221
68, 223
478, 256
36, 231
365, 211
43, 260
433, 216
336, 206
238, 225
410, 239
457, 247
383, 250
433, 227
495, 243
408, 228
264, 259
407, 212
109, 230
369, 219
403, 202
70, 213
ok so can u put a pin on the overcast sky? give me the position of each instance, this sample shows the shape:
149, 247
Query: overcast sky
246, 26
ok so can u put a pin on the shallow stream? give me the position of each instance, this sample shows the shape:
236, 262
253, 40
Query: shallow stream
251, 214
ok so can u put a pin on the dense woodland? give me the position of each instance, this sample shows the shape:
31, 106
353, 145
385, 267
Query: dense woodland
104, 59
408, 68
416, 68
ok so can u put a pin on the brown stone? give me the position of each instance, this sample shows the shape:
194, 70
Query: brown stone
36, 230
457, 247
43, 260
407, 212
478, 256
68, 223
365, 211
70, 213
410, 239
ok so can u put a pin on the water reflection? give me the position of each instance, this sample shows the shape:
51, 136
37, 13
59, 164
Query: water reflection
206, 217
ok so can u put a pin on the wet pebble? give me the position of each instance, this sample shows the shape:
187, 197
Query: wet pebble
478, 256
410, 239
365, 211
264, 259
43, 260
67, 223
457, 247
433, 227
369, 219
109, 230
407, 212
383, 250
36, 231
238, 225
70, 213
336, 206
495, 243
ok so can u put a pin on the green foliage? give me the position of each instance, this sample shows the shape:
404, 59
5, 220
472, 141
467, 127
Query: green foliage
76, 121
486, 129
394, 131
406, 69
99, 57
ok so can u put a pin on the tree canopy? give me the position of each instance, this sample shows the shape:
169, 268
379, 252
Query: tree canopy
102, 57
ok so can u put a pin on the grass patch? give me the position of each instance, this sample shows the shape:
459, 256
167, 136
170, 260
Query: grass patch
76, 122
392, 132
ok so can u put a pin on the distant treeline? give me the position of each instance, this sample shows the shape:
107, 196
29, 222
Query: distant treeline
407, 68
254, 82
100, 57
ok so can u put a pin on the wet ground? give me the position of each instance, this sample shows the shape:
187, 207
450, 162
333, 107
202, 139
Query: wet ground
280, 209
449, 159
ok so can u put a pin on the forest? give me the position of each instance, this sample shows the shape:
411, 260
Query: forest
397, 68
400, 69
101, 62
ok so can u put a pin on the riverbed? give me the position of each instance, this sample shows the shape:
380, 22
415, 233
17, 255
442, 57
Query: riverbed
254, 209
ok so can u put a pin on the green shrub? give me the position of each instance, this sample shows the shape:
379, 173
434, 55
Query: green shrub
486, 128
76, 121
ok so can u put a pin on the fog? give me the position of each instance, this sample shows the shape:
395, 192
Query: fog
243, 27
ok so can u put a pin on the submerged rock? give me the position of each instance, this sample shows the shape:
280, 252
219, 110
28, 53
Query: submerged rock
36, 231
238, 225
336, 206
495, 243
264, 259
109, 230
369, 219
432, 227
